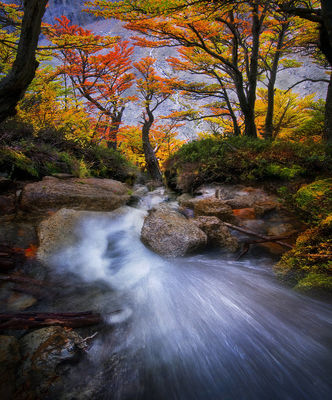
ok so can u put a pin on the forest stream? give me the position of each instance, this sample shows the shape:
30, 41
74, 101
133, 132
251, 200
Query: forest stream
200, 327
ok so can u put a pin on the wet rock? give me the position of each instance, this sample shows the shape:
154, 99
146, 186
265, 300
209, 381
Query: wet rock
139, 192
153, 185
88, 194
280, 229
183, 198
248, 197
9, 359
47, 354
7, 204
264, 207
212, 206
171, 234
63, 229
18, 234
188, 202
20, 301
187, 212
217, 233
245, 213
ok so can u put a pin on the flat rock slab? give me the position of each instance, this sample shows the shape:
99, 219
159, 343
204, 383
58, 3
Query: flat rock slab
213, 207
171, 234
85, 194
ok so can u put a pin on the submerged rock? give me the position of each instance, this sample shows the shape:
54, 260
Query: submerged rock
171, 234
46, 355
9, 359
88, 194
217, 233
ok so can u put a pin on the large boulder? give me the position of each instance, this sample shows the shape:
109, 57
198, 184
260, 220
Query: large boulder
86, 194
171, 234
217, 233
9, 359
47, 354
211, 206
63, 229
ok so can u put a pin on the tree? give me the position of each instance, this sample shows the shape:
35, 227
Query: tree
101, 78
163, 138
234, 43
153, 92
310, 10
47, 104
15, 83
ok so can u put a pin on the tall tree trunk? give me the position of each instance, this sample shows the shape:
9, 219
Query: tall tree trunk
14, 85
152, 164
326, 47
271, 84
116, 119
328, 115
250, 129
326, 30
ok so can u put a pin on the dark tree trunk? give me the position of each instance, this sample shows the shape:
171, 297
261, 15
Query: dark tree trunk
271, 84
326, 47
116, 119
14, 85
152, 164
328, 115
326, 30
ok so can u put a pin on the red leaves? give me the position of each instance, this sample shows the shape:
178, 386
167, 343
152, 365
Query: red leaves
31, 251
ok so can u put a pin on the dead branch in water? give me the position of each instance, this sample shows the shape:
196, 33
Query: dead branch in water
275, 239
39, 320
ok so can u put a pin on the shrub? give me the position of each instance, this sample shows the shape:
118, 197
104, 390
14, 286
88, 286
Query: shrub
242, 159
309, 265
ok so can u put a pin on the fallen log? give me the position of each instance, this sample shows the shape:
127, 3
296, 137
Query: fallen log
249, 232
39, 320
25, 280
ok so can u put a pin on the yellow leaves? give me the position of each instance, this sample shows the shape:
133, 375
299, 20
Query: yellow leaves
163, 138
290, 111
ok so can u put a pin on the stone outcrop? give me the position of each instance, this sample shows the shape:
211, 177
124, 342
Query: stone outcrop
211, 206
47, 354
217, 233
87, 194
171, 234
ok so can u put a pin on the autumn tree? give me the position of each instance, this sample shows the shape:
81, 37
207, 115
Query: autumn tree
163, 139
153, 91
99, 68
234, 43
22, 72
320, 13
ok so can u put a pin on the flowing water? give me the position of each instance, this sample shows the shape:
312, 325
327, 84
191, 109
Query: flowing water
202, 327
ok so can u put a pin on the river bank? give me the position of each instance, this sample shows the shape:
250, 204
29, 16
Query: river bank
168, 328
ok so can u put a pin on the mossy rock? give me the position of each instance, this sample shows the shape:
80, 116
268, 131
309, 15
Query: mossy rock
315, 199
308, 266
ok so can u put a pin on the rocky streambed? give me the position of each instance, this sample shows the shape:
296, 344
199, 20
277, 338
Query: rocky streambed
178, 315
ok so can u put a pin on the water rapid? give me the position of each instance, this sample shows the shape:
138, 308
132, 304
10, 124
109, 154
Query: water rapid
196, 328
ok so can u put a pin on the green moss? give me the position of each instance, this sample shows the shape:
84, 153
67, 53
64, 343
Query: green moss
315, 199
314, 282
244, 160
15, 161
309, 264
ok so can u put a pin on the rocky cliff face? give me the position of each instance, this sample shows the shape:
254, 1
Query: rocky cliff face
72, 9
